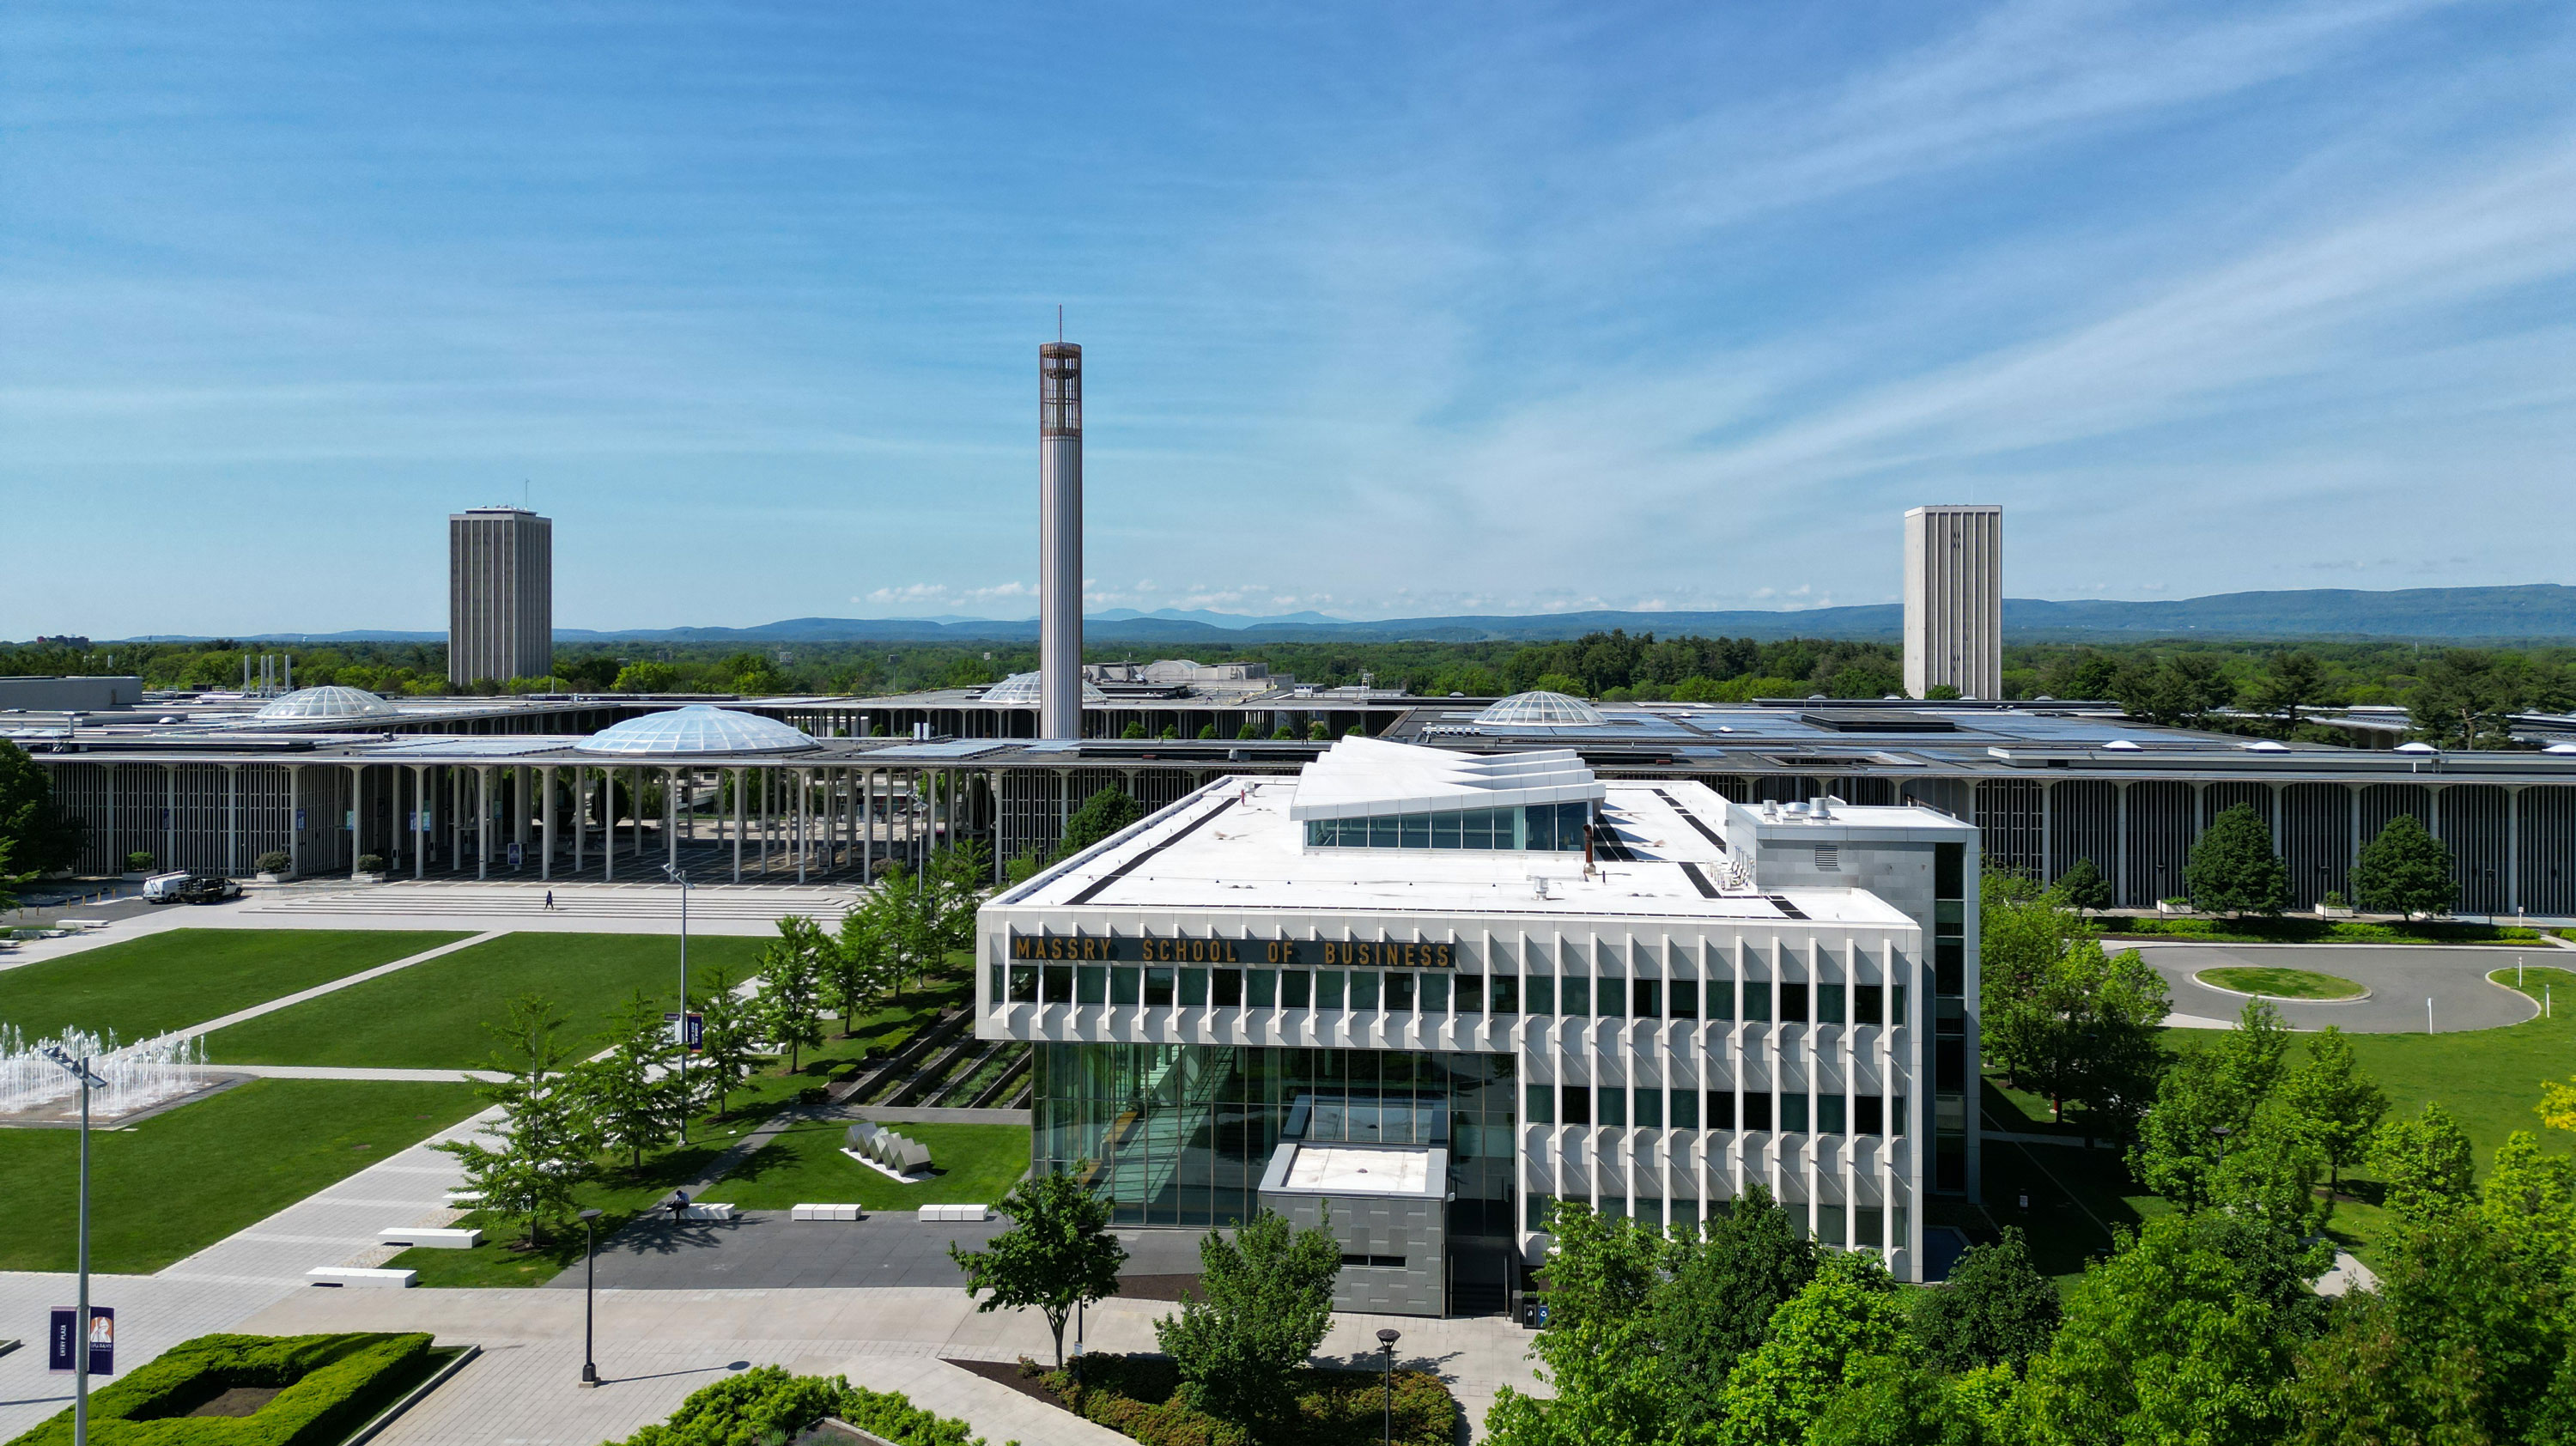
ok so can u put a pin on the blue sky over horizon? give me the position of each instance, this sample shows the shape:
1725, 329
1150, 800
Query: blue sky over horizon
1387, 310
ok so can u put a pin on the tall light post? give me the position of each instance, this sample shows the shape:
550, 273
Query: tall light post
1386, 1339
589, 1280
79, 1069
682, 879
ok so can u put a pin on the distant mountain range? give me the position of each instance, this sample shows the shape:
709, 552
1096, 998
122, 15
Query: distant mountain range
2453, 614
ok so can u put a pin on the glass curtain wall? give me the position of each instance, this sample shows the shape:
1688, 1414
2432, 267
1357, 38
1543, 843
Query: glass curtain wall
1180, 1134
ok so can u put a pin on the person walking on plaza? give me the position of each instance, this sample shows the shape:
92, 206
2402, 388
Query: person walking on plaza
550, 901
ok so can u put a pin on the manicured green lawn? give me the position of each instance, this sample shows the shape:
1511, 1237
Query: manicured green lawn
621, 1191
971, 1164
2279, 983
2489, 1078
160, 982
431, 1016
178, 1182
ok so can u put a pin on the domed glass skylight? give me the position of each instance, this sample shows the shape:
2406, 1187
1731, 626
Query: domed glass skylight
327, 703
1023, 688
698, 728
1542, 710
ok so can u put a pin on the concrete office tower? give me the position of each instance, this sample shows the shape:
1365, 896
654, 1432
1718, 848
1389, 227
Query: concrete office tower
1954, 600
500, 595
1059, 540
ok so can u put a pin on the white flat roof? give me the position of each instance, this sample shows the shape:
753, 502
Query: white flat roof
1233, 847
1370, 1172
1370, 777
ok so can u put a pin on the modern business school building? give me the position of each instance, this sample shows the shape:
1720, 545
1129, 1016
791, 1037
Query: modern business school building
1418, 993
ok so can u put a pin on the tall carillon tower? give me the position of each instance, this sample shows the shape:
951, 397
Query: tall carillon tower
1059, 540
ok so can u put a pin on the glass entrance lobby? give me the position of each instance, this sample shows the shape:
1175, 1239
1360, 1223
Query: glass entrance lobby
1179, 1134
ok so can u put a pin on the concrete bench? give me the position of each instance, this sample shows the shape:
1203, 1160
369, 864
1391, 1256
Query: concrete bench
363, 1275
464, 1199
81, 923
955, 1214
430, 1237
709, 1212
826, 1212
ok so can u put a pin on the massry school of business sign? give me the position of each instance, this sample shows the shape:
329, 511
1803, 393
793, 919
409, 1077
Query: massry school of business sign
1257, 953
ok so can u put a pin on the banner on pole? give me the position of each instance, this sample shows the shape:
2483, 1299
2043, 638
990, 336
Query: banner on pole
693, 1034
102, 1340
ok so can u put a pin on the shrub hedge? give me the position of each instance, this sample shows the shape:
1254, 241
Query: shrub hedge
2294, 930
766, 1404
1140, 1397
333, 1384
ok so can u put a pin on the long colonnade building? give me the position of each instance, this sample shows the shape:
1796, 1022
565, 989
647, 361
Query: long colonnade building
1488, 982
330, 774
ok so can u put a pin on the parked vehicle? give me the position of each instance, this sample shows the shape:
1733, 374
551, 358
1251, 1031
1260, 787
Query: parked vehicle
209, 889
166, 888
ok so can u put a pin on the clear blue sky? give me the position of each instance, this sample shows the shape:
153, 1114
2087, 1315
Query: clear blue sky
1388, 309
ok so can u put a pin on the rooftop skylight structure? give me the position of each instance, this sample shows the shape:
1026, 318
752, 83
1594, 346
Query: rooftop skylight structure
1542, 710
328, 702
699, 728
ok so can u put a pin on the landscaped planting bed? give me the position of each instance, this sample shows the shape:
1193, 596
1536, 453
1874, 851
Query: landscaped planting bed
2273, 982
228, 1390
1139, 1397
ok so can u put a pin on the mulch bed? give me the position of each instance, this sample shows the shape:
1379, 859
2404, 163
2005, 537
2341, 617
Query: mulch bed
1158, 1287
1007, 1373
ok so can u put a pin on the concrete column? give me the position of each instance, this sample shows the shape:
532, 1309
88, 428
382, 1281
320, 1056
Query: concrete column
764, 822
635, 811
232, 820
169, 816
993, 781
546, 829
741, 781
519, 808
482, 821
580, 815
804, 798
420, 821
294, 835
357, 816
2513, 848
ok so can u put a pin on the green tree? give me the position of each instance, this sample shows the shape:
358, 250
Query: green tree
2332, 1104
646, 678
42, 837
1603, 1353
2459, 1343
1057, 1255
546, 1134
2082, 887
2464, 701
1847, 1316
1265, 1301
2207, 1103
2187, 1334
1996, 1309
1561, 683
2290, 682
2404, 870
1101, 815
1133, 730
632, 1092
2529, 1202
954, 886
10, 880
2095, 1039
790, 1001
2427, 1163
2021, 937
729, 1036
2233, 869
1896, 1403
1727, 1280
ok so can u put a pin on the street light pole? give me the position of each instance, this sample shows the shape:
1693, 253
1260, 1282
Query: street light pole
1386, 1338
79, 1070
589, 1280
682, 879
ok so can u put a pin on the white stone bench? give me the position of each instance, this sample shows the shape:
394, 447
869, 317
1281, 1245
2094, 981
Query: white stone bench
430, 1237
464, 1199
709, 1212
81, 923
955, 1214
363, 1275
826, 1212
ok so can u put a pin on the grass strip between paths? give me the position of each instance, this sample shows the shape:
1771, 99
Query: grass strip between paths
161, 982
431, 1016
176, 1183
